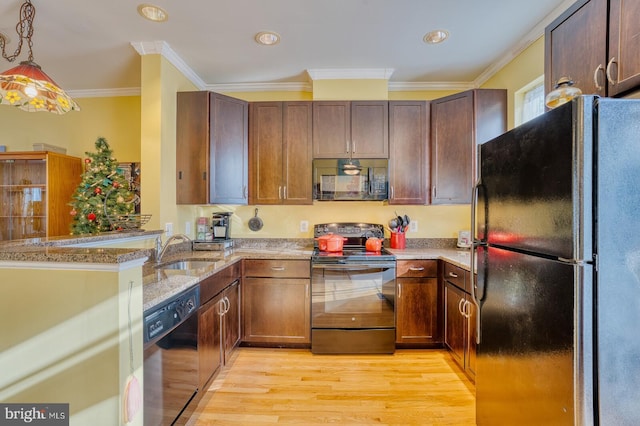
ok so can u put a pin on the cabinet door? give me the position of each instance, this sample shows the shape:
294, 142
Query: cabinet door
209, 348
409, 177
231, 319
276, 310
369, 129
417, 318
452, 148
229, 150
454, 324
331, 129
192, 148
297, 151
575, 47
266, 153
624, 61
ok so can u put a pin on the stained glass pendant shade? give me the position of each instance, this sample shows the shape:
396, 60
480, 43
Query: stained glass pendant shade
26, 86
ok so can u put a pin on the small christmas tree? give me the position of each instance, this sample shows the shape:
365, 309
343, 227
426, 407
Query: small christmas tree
102, 183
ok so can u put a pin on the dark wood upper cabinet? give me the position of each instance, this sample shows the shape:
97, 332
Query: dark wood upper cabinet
458, 123
343, 129
409, 152
576, 47
280, 154
211, 149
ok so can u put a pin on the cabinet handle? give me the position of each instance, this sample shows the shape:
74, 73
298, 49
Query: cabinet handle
392, 194
460, 306
279, 192
346, 146
452, 275
611, 80
244, 192
221, 307
353, 146
416, 268
180, 175
596, 80
285, 192
277, 268
399, 290
433, 191
228, 303
204, 175
465, 309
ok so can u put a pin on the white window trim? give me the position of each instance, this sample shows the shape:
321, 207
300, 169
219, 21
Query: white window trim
519, 98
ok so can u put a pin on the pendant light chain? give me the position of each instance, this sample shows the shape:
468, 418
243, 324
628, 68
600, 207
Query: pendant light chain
24, 28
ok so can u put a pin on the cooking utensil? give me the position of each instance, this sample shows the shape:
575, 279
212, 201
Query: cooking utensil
255, 223
393, 224
330, 242
373, 244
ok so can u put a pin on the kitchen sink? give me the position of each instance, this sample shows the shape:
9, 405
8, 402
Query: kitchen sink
187, 265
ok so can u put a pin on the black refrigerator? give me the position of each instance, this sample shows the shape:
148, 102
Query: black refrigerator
556, 220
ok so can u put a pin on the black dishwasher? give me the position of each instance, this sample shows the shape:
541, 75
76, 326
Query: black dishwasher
171, 357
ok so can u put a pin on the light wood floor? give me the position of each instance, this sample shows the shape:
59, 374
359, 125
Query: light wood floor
283, 386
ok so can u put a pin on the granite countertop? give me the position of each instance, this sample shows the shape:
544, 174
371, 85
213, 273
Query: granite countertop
161, 284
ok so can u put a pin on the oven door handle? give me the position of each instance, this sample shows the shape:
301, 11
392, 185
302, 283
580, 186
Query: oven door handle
352, 266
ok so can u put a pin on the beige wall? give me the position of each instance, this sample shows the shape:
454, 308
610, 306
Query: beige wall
525, 68
115, 118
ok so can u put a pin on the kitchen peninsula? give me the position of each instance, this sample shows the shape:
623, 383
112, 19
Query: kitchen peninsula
70, 306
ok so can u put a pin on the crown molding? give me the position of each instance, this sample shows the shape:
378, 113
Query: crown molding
533, 35
104, 93
430, 85
350, 73
261, 87
163, 48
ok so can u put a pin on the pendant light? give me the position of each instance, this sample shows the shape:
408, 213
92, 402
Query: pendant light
26, 86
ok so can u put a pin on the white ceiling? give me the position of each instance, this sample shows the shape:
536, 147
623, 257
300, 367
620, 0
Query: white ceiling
86, 45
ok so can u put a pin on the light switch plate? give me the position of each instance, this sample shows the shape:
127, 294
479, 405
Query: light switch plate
168, 229
413, 226
304, 226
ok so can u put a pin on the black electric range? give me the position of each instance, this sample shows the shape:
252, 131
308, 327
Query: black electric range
354, 248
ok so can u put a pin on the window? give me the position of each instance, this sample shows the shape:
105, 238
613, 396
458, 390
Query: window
529, 101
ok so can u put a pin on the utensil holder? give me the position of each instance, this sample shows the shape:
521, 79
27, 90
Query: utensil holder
398, 240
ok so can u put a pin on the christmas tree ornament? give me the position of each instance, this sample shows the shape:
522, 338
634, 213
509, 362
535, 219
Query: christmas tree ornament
73, 212
98, 190
91, 216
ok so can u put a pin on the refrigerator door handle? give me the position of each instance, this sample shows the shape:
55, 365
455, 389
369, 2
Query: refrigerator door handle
472, 266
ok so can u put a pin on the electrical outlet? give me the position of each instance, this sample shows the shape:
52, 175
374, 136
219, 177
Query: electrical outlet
187, 228
413, 226
168, 229
304, 226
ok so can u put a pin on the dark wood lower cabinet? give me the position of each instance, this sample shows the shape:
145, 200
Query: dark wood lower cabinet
209, 342
460, 323
276, 305
418, 304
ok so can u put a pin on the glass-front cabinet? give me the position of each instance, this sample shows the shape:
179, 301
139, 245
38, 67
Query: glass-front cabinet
36, 188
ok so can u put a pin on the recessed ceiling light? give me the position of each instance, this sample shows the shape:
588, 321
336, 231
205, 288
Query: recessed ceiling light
268, 38
436, 36
153, 13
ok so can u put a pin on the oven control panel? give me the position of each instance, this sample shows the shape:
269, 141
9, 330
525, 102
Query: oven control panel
349, 230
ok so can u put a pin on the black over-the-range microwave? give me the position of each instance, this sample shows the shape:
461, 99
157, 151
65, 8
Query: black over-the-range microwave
350, 179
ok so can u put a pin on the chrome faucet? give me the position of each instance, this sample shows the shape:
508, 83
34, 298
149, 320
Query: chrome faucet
160, 249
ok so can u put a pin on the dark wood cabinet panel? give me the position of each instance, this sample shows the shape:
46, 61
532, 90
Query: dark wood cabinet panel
280, 155
575, 47
211, 149
409, 176
454, 325
370, 129
460, 318
331, 129
418, 319
209, 340
459, 123
624, 45
277, 311
230, 321
277, 268
343, 129
599, 54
